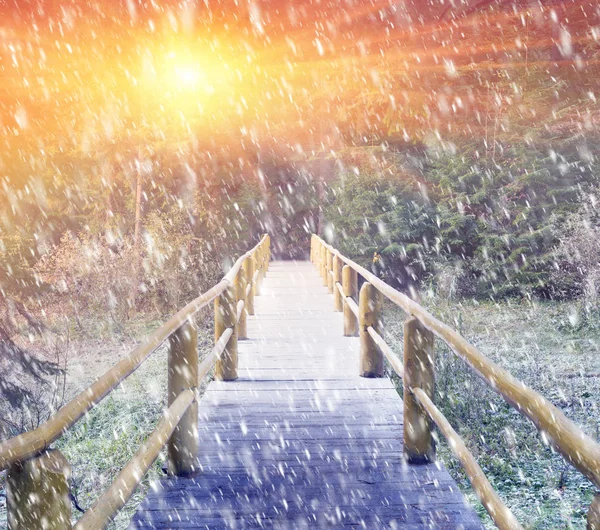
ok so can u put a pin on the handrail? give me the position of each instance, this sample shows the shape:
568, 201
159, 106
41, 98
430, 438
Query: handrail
175, 429
33, 442
122, 488
564, 435
240, 310
387, 351
498, 511
353, 306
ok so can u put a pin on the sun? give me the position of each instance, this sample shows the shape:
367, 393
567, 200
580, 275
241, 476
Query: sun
186, 81
177, 72
189, 76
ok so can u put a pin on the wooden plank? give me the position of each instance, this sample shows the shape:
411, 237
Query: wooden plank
299, 440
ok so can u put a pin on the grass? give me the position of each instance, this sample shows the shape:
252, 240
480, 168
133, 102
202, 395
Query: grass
545, 346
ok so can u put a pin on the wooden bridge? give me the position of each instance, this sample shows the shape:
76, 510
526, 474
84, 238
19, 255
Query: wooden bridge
301, 428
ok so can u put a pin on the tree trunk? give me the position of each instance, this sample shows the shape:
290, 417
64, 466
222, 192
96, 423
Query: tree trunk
137, 257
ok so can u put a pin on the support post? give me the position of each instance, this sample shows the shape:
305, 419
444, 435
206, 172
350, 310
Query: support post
241, 285
182, 447
37, 493
255, 267
370, 303
249, 274
350, 285
263, 261
267, 253
258, 269
329, 271
338, 302
317, 254
419, 372
593, 517
225, 316
324, 264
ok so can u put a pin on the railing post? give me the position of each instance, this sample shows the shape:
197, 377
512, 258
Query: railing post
182, 447
268, 250
317, 254
37, 493
263, 261
593, 517
370, 303
312, 248
249, 275
225, 317
350, 285
241, 284
255, 269
338, 304
419, 372
266, 257
258, 270
329, 271
324, 264
257, 266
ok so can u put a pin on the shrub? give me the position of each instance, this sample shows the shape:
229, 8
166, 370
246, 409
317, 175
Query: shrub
577, 269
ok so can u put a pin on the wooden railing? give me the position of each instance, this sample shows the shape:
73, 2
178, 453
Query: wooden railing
38, 476
364, 319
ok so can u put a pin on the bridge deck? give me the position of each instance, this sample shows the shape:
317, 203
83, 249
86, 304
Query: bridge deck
300, 441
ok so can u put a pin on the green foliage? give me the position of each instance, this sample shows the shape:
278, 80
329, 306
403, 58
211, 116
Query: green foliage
502, 219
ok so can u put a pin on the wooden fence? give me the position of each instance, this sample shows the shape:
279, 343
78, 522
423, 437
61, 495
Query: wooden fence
417, 371
38, 476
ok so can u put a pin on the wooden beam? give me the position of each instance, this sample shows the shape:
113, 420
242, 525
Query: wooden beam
350, 286
225, 317
182, 448
563, 434
419, 372
370, 303
37, 493
500, 514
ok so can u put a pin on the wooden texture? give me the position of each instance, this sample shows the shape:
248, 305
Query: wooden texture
370, 305
299, 440
563, 434
249, 275
37, 493
255, 282
500, 514
120, 491
324, 265
350, 286
419, 372
338, 302
226, 317
241, 286
182, 447
393, 359
330, 272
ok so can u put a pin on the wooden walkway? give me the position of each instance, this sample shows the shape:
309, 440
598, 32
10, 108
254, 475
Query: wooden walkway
299, 440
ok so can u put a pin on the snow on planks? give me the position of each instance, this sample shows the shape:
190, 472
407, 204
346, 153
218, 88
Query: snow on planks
299, 440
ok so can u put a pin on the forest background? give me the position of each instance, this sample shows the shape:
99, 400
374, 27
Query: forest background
454, 153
